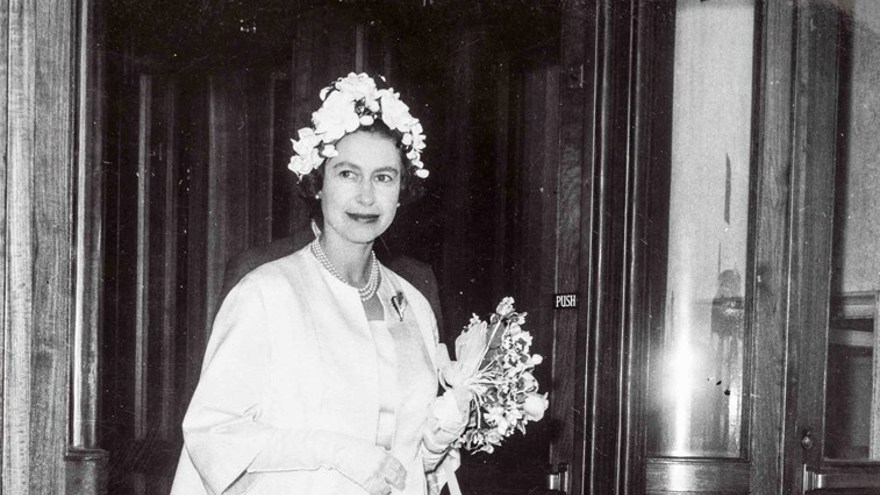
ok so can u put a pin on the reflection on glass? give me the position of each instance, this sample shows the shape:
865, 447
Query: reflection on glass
849, 386
852, 408
697, 358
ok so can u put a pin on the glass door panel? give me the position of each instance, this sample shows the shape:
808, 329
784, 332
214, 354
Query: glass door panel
849, 456
852, 408
698, 354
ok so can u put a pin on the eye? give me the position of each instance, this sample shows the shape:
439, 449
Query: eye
347, 174
385, 178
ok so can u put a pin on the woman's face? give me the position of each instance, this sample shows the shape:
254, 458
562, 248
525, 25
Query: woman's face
361, 187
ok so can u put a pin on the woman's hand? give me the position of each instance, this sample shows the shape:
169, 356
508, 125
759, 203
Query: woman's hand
449, 418
371, 467
450, 412
363, 462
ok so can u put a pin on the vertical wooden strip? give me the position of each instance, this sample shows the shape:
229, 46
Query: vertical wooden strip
238, 161
503, 195
198, 322
647, 276
282, 179
772, 154
169, 331
89, 230
360, 48
260, 112
388, 60
142, 322
229, 161
18, 322
549, 195
79, 406
464, 259
575, 141
874, 441
53, 238
216, 213
4, 185
304, 99
607, 330
529, 187
812, 208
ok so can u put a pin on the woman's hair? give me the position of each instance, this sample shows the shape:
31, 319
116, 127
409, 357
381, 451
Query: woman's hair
411, 187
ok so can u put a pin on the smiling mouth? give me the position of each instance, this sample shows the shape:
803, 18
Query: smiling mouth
363, 218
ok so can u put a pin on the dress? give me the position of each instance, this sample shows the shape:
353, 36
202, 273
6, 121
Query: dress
292, 353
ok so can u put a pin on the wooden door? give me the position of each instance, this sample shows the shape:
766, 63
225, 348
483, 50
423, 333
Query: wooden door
681, 126
834, 444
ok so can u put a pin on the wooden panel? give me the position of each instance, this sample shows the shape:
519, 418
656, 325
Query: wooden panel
121, 248
53, 234
89, 220
772, 158
574, 185
611, 191
5, 342
470, 243
260, 107
87, 464
812, 192
224, 150
19, 248
511, 209
874, 440
194, 127
166, 332
284, 198
142, 263
813, 171
37, 242
698, 477
649, 219
239, 171
535, 277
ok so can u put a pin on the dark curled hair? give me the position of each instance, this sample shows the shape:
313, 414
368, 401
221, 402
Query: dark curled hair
411, 187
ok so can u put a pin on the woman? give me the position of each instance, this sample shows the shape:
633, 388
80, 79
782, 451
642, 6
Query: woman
321, 371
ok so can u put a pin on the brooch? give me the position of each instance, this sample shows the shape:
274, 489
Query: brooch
399, 303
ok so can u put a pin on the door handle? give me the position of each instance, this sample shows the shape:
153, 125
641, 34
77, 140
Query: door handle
807, 439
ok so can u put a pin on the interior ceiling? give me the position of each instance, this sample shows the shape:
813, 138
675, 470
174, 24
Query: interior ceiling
205, 33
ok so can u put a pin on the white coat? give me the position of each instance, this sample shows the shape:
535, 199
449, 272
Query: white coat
290, 349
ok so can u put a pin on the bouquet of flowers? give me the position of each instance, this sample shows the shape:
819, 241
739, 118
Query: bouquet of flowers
493, 373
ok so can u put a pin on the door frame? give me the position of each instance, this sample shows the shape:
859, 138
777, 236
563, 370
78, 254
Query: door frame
609, 112
816, 155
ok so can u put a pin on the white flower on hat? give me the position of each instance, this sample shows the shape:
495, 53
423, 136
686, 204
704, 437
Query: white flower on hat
348, 104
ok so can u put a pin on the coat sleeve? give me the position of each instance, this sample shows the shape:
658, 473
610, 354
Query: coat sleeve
224, 436
222, 429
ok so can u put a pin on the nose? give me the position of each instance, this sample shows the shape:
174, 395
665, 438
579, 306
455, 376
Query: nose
366, 193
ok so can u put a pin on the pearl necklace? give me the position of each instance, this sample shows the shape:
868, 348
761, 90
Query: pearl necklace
367, 291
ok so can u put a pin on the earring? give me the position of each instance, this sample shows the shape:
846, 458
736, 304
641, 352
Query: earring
398, 205
318, 196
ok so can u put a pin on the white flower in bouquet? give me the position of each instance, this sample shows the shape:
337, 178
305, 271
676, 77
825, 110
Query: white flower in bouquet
493, 374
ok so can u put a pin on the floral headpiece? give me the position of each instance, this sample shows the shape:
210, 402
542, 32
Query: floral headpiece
348, 104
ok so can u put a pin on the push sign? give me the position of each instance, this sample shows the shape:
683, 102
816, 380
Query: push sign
565, 301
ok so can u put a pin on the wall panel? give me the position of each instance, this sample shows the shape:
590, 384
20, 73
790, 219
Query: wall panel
37, 239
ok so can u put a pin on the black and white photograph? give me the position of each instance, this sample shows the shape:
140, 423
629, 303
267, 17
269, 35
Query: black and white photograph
440, 247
